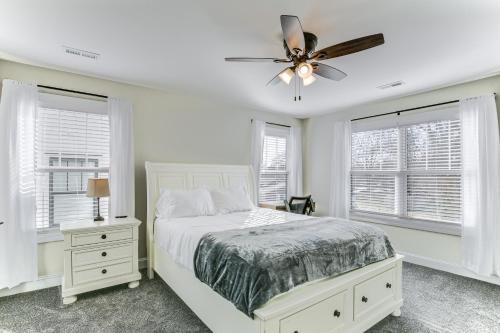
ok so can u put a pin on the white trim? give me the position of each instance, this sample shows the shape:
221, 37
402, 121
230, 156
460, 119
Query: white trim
446, 228
48, 281
446, 267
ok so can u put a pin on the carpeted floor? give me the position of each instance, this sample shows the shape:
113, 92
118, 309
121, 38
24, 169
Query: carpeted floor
434, 302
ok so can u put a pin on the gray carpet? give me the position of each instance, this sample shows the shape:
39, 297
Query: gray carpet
434, 302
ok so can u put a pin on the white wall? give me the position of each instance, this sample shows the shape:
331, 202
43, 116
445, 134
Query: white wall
168, 127
318, 136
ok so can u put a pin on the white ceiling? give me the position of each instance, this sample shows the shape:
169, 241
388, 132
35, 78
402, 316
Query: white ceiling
181, 45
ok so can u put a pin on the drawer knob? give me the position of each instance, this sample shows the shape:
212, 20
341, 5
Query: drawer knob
295, 331
103, 236
388, 285
104, 271
336, 313
364, 299
104, 254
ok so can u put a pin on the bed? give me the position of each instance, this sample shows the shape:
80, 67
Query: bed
350, 302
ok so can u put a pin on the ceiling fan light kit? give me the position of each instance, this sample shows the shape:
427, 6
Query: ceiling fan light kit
304, 70
300, 49
308, 80
286, 75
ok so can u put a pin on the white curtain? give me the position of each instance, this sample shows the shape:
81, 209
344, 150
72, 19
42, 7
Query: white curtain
18, 235
256, 146
121, 169
340, 170
295, 162
481, 185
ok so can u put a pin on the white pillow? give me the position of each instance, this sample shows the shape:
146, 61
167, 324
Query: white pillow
184, 203
231, 200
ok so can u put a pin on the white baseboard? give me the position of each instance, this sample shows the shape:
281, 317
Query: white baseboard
48, 281
447, 267
43, 282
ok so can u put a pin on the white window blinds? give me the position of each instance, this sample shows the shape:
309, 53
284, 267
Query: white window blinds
71, 146
408, 171
273, 171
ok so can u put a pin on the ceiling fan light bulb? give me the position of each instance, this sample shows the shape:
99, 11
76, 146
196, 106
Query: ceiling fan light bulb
286, 76
308, 80
304, 70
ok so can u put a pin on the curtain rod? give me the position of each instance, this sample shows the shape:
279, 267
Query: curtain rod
269, 123
412, 109
72, 91
406, 110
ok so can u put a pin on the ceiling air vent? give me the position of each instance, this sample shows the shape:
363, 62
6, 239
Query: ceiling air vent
81, 53
391, 85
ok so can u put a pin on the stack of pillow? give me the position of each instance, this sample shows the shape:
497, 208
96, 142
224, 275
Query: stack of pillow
202, 202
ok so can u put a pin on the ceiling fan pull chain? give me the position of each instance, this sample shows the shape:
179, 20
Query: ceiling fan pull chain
300, 97
295, 88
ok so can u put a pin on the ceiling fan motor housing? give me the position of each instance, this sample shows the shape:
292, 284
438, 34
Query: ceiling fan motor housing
310, 44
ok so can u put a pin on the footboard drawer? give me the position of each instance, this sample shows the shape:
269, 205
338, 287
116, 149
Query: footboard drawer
327, 316
373, 292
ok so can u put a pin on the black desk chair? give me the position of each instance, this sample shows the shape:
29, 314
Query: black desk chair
300, 205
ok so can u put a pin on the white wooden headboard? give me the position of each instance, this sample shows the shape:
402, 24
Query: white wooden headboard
189, 176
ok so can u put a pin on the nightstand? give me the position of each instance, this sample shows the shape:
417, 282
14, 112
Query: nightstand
99, 255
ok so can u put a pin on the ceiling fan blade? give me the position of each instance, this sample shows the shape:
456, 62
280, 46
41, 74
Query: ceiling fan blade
243, 59
352, 46
292, 33
276, 80
328, 72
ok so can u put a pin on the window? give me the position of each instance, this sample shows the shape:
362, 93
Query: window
71, 147
410, 171
273, 176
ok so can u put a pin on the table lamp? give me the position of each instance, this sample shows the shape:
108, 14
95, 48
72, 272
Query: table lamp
98, 188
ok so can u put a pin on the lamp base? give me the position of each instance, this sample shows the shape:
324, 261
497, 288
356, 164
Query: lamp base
98, 218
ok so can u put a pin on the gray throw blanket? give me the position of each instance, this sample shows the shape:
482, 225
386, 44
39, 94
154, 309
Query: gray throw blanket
250, 266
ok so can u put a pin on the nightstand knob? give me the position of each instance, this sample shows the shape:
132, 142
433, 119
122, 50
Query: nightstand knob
364, 299
388, 285
104, 271
336, 313
103, 236
104, 254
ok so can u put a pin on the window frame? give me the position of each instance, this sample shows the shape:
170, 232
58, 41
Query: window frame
76, 104
276, 131
400, 219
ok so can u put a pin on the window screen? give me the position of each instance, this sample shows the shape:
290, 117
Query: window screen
273, 172
71, 147
409, 171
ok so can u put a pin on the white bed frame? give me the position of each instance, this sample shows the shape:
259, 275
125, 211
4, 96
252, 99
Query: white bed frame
352, 302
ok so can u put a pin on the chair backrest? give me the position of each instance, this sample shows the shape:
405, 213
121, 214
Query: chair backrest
299, 205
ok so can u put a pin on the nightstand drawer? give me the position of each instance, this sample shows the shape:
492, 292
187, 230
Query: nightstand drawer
101, 237
87, 257
107, 270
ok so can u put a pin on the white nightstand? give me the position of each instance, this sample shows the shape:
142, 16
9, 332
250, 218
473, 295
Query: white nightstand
99, 255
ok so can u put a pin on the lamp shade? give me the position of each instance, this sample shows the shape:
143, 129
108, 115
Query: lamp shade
97, 188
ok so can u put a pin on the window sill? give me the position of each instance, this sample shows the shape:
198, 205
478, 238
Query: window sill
454, 229
49, 235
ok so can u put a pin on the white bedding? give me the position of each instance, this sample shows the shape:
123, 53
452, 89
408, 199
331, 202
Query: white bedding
179, 237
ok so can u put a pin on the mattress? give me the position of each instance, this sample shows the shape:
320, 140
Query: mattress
180, 237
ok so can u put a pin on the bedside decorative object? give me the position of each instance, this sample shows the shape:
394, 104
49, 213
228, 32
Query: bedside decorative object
99, 255
98, 188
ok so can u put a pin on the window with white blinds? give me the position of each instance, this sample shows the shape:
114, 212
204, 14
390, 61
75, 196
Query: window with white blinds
411, 171
71, 147
273, 172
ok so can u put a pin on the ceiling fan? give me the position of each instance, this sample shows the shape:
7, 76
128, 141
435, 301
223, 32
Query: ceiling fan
300, 53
